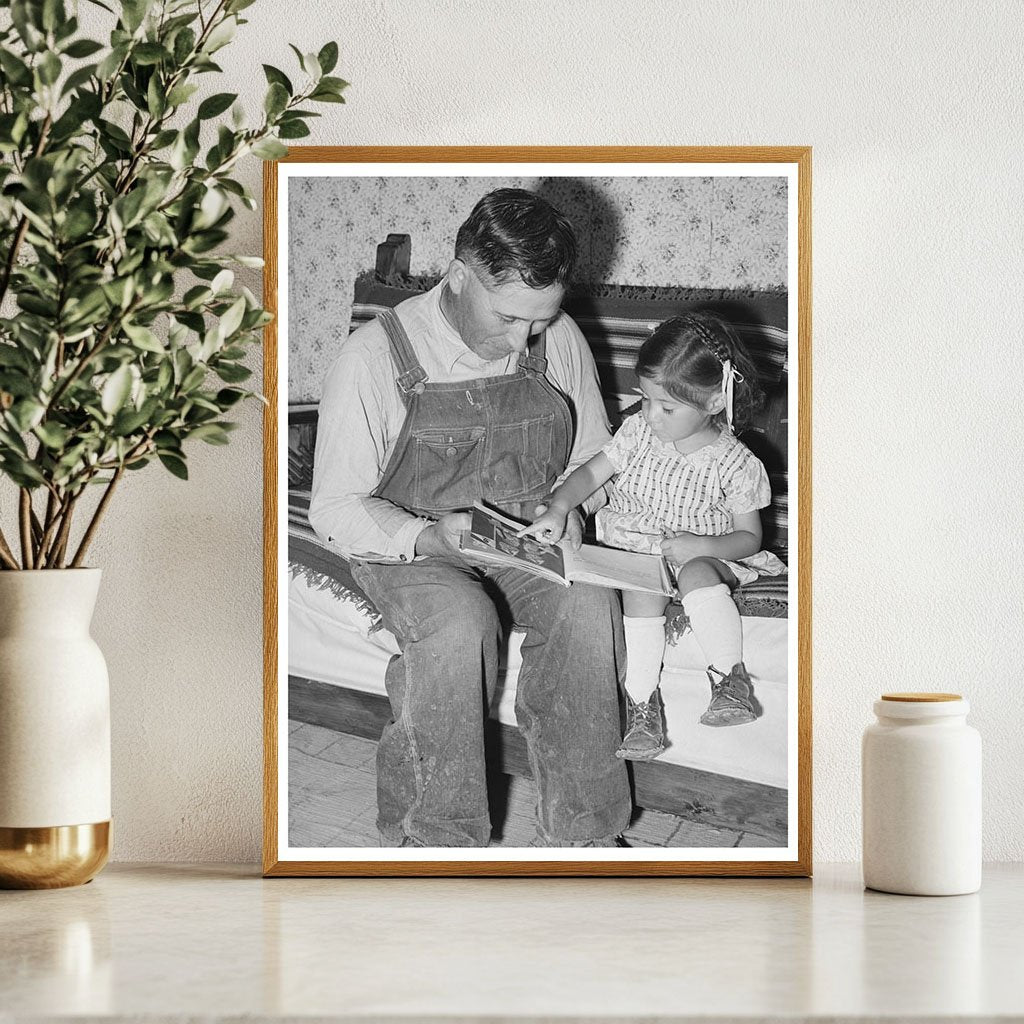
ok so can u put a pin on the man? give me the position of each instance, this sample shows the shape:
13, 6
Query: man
480, 389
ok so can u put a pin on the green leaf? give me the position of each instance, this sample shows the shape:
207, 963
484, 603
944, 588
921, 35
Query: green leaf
211, 433
49, 68
26, 414
167, 441
34, 304
323, 96
109, 65
53, 14
77, 79
128, 421
11, 443
17, 384
181, 94
83, 48
292, 130
269, 149
227, 397
144, 338
216, 104
129, 207
232, 373
78, 222
222, 282
53, 435
278, 77
211, 208
193, 379
276, 99
11, 356
27, 23
134, 13
234, 6
204, 65
149, 53
334, 84
21, 471
163, 139
156, 99
204, 270
185, 147
119, 291
87, 309
328, 58
16, 70
221, 35
184, 44
255, 262
193, 321
201, 406
65, 30
175, 465
232, 319
165, 376
116, 390
116, 133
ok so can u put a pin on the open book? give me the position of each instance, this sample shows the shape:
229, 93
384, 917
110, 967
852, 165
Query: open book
492, 537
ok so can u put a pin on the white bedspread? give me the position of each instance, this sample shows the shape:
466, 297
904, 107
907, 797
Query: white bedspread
331, 641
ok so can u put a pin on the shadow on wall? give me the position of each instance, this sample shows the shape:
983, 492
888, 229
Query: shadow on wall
595, 218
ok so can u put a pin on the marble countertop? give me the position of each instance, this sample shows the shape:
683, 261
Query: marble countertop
181, 941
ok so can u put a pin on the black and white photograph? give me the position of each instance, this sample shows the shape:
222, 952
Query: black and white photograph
608, 355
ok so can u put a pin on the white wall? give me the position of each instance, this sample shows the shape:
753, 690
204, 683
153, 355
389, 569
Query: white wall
914, 113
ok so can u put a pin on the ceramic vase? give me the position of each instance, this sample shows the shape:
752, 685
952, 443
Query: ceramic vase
54, 731
921, 772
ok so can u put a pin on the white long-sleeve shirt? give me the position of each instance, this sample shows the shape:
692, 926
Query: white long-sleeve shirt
361, 413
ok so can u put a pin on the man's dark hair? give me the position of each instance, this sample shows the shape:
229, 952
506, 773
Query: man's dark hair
512, 232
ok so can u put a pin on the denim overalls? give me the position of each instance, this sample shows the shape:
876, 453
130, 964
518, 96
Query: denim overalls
504, 439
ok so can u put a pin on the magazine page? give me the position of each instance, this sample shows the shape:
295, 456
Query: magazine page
492, 536
625, 570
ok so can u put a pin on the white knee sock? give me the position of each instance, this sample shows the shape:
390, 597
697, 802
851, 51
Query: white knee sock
645, 651
716, 625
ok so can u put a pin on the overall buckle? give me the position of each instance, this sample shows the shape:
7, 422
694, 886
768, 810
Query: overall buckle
411, 382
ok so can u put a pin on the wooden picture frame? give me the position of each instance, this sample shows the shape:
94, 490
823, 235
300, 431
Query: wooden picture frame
733, 198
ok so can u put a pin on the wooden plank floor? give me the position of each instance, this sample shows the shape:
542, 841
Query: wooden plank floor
718, 802
332, 801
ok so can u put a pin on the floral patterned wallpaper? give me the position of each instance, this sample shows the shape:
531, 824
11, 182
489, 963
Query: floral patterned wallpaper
710, 232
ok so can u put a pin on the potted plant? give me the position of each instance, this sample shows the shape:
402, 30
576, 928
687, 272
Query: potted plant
122, 341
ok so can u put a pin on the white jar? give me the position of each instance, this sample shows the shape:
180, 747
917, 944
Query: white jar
921, 778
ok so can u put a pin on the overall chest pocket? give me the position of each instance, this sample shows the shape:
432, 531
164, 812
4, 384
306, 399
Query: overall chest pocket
520, 462
448, 464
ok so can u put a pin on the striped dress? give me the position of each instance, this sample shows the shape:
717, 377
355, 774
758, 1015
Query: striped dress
657, 488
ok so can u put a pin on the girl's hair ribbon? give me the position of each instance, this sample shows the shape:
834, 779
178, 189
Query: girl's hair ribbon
730, 376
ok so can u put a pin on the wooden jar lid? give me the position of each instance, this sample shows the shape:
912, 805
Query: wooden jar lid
921, 698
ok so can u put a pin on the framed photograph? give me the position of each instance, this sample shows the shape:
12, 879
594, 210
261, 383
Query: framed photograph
604, 345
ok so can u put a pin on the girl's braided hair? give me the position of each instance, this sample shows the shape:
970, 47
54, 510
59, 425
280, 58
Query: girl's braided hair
686, 356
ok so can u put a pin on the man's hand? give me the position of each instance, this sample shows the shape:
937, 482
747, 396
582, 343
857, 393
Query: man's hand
441, 539
572, 537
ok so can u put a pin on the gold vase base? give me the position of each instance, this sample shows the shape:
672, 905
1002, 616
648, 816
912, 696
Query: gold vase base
54, 857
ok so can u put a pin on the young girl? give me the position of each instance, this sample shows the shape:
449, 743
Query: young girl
681, 484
